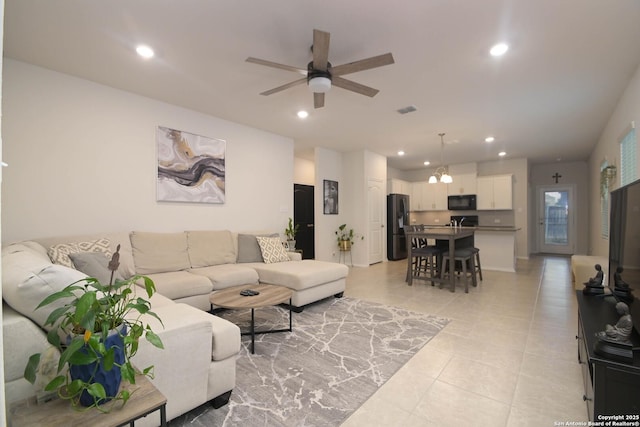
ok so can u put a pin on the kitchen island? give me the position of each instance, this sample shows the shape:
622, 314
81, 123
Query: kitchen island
497, 247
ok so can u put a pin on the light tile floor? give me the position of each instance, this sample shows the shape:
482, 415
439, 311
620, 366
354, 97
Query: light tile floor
508, 357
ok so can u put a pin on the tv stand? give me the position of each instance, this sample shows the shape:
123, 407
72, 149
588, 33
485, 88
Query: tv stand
611, 386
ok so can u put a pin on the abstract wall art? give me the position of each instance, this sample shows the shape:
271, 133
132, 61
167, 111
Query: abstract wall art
191, 168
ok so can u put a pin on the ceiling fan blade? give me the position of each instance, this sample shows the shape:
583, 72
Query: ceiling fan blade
320, 50
363, 64
318, 100
276, 65
283, 87
353, 86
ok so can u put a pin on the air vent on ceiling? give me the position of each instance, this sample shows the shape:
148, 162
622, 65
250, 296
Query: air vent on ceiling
409, 109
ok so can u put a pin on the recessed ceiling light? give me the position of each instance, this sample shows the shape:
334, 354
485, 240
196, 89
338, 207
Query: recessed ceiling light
303, 114
427, 163
400, 153
502, 153
145, 51
499, 49
489, 139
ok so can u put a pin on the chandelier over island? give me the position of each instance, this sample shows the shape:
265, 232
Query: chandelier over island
442, 172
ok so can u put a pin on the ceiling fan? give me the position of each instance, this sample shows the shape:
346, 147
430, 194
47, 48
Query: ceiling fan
320, 75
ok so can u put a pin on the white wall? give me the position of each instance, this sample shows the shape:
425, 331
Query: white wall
626, 111
328, 166
83, 159
3, 417
304, 171
358, 168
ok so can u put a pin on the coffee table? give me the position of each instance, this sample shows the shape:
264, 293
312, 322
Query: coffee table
269, 295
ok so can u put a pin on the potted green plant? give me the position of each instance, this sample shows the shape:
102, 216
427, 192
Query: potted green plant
345, 237
291, 232
101, 326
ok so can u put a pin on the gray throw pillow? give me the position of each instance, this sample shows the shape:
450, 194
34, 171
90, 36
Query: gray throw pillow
94, 264
248, 248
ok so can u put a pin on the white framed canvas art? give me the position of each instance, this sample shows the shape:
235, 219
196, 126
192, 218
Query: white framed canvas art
191, 168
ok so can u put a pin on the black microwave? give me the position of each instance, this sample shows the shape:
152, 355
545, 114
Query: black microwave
463, 202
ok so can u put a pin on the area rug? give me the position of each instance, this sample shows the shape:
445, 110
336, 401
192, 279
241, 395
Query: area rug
340, 352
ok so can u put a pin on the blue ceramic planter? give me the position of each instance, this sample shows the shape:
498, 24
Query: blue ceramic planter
110, 380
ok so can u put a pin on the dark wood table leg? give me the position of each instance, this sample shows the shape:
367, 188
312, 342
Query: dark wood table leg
290, 317
253, 333
163, 415
409, 257
452, 263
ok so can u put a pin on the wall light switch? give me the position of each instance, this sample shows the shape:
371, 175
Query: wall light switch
497, 221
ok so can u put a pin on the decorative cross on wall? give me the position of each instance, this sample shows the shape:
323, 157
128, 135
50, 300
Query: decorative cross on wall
556, 177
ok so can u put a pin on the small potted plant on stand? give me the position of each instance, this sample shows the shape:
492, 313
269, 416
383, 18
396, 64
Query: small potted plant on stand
345, 238
100, 326
291, 232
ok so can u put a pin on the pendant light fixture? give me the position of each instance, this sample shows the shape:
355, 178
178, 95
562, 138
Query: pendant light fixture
442, 173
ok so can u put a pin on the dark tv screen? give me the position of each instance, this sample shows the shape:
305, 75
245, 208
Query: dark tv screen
624, 242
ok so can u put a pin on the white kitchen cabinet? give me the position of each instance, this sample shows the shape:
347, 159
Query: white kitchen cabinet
494, 192
415, 202
428, 197
462, 184
398, 186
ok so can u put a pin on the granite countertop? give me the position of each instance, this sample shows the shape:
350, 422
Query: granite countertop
480, 227
496, 228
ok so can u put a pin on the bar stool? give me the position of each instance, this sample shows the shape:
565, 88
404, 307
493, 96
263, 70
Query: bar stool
466, 259
426, 259
476, 252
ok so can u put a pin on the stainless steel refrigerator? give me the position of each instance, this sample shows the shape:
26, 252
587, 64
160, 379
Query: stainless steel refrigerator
397, 218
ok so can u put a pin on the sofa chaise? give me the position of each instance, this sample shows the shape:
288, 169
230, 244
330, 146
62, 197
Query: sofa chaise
186, 268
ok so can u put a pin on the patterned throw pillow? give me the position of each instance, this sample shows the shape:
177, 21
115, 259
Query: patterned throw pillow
272, 249
59, 253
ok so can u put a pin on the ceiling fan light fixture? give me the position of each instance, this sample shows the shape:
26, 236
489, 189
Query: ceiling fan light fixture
145, 51
499, 49
320, 84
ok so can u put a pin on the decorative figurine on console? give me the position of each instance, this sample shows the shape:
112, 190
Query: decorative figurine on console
621, 288
594, 285
614, 341
621, 331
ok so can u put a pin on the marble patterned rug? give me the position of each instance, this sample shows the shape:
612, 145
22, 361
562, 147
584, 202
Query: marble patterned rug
340, 352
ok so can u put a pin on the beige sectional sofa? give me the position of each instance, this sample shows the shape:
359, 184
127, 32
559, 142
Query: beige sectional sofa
198, 362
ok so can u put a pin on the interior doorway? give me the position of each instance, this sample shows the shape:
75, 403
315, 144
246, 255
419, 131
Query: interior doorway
304, 217
556, 232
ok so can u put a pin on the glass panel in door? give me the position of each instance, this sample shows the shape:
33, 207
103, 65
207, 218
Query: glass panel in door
556, 208
556, 218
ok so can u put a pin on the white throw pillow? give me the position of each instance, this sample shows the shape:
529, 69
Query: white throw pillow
24, 297
272, 249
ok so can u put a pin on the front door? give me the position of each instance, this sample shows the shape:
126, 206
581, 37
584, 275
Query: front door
556, 220
303, 215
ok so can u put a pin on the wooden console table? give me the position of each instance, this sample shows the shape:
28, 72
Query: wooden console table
611, 387
144, 400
